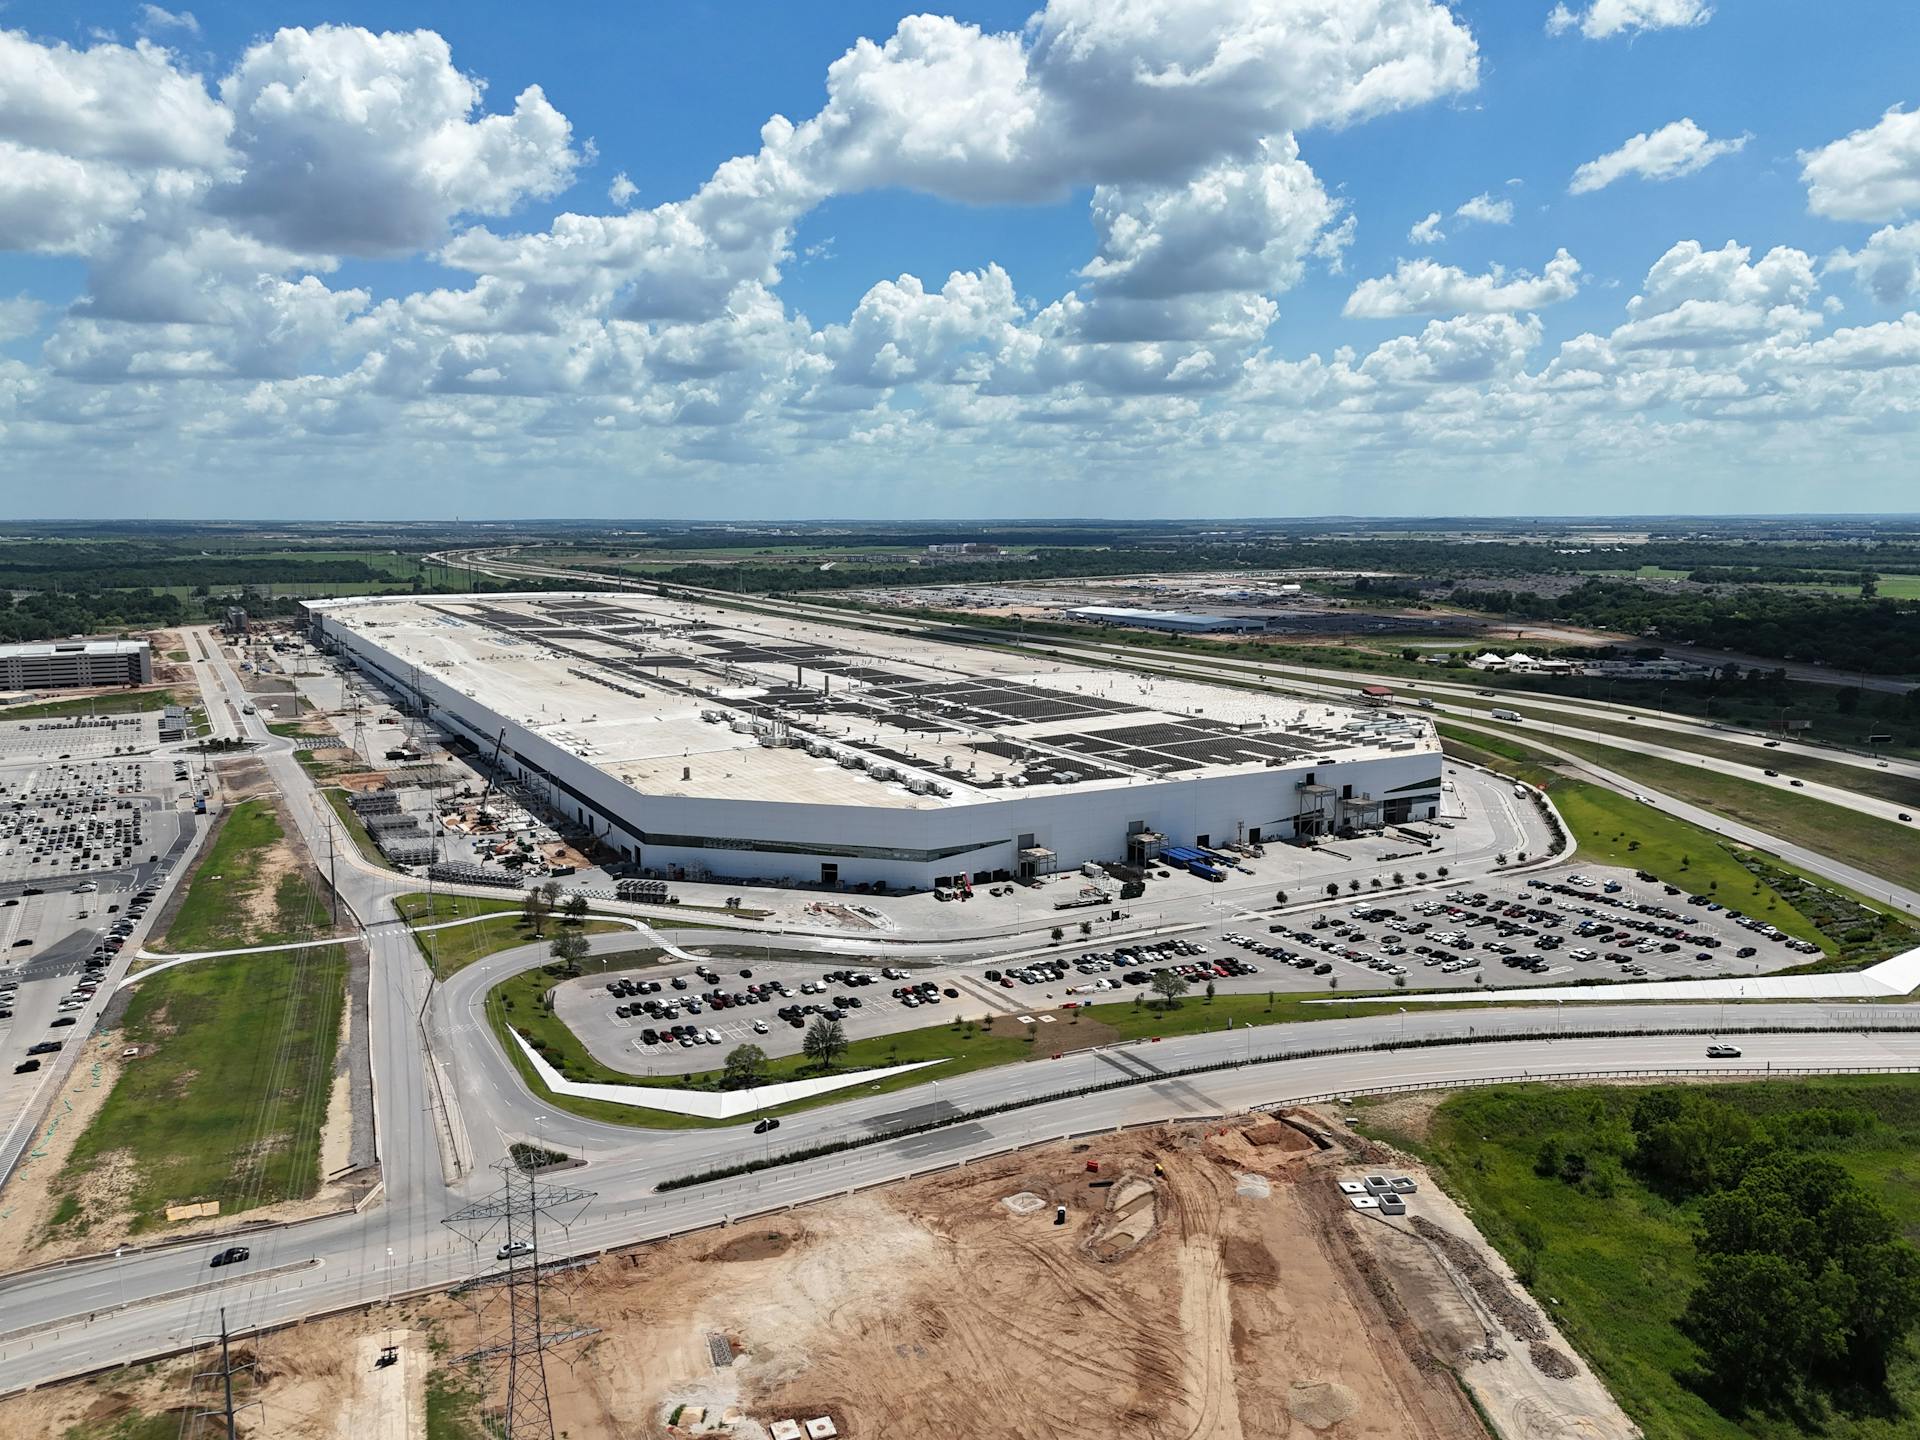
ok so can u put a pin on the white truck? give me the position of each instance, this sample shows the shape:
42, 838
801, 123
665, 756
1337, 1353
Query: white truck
1513, 715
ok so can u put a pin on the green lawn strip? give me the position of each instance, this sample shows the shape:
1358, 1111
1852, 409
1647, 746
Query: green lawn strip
355, 827
1880, 847
1506, 756
441, 906
1614, 1263
1861, 779
227, 1100
217, 912
121, 703
453, 949
1614, 829
1860, 931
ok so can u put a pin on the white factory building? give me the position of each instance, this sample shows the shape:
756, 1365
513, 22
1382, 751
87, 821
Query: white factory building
705, 742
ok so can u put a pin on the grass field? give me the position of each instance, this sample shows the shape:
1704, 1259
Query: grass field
1615, 1263
129, 702
228, 1102
451, 950
227, 904
1879, 847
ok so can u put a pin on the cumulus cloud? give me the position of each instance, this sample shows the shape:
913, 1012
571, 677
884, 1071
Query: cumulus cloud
356, 143
1872, 174
1423, 287
1603, 19
213, 215
1483, 209
1887, 266
1694, 298
1427, 231
1674, 150
152, 18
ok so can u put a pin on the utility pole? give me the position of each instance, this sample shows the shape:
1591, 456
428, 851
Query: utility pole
227, 1412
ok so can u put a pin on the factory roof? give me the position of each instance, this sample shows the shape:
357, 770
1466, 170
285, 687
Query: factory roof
674, 698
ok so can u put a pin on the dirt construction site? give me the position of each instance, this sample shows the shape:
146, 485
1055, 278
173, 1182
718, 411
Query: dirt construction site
1209, 1282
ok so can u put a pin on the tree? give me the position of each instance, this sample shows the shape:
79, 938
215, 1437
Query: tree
746, 1067
1086, 927
550, 892
1442, 872
824, 1042
570, 948
1333, 888
576, 908
1169, 986
533, 911
1058, 934
1279, 897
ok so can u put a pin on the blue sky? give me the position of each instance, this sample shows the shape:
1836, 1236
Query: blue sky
286, 260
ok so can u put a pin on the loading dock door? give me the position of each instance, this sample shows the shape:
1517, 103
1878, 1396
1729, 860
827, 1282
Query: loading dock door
829, 874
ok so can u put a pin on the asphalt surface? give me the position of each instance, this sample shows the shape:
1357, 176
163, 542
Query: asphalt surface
441, 1124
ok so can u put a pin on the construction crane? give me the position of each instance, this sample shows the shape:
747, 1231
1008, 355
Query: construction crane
493, 767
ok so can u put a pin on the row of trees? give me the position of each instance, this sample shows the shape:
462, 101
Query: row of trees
1880, 637
1806, 1284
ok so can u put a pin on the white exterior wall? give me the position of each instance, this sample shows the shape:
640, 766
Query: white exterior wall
1088, 822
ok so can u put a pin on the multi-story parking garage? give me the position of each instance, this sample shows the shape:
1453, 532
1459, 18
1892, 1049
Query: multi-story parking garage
716, 743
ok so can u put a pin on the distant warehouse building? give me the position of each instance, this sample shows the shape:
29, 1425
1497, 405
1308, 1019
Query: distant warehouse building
1176, 620
68, 664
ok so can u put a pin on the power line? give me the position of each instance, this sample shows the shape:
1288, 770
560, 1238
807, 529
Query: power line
513, 1215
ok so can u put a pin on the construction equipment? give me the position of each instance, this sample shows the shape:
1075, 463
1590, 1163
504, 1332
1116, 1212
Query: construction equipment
493, 766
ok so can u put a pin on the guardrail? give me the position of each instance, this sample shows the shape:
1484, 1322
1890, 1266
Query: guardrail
837, 1147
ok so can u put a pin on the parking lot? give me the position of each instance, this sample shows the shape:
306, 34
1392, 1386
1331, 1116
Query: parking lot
1559, 926
864, 1006
81, 818
80, 840
78, 737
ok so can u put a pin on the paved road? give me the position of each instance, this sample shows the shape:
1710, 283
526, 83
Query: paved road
1899, 896
75, 1321
111, 1309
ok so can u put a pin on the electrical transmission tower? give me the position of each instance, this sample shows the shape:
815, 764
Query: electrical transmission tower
512, 1219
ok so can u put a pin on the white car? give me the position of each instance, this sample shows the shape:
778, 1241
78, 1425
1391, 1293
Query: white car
1723, 1052
759, 1027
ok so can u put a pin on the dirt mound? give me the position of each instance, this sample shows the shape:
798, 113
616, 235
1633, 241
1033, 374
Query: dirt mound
762, 1245
1279, 1134
1133, 1211
1249, 1262
1550, 1362
1520, 1318
1321, 1404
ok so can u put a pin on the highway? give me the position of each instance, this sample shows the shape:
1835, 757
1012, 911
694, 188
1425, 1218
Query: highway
438, 1134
